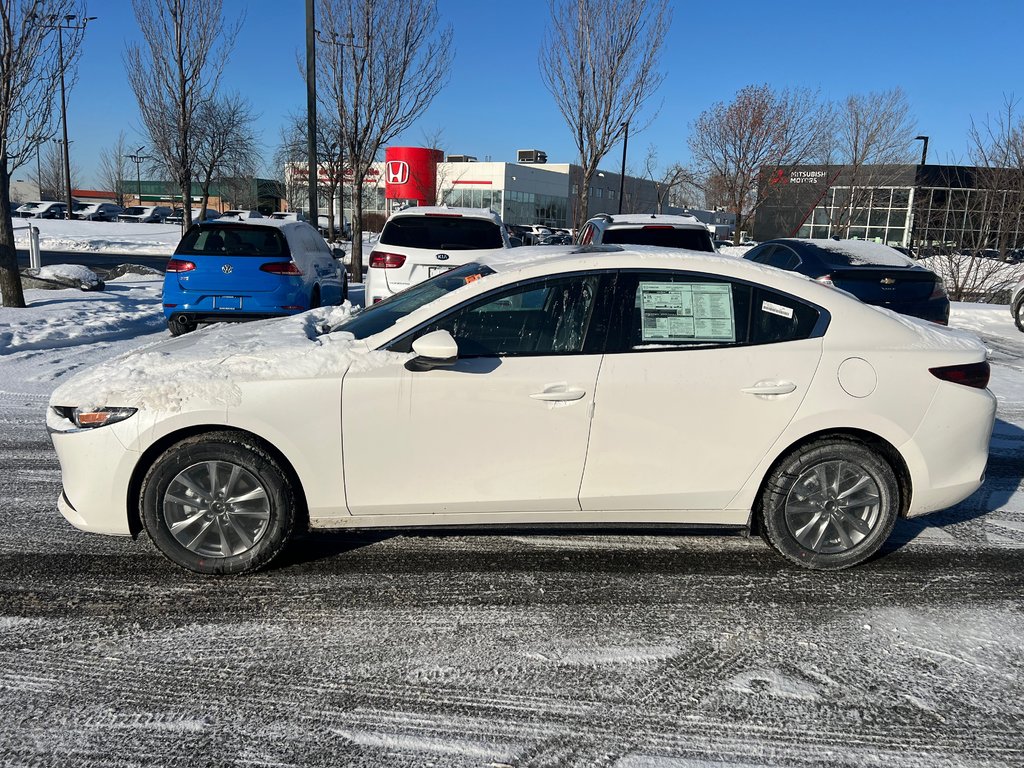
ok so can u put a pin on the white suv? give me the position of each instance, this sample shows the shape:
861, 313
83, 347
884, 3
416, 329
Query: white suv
647, 229
418, 243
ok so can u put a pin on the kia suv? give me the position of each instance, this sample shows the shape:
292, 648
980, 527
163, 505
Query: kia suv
658, 229
418, 243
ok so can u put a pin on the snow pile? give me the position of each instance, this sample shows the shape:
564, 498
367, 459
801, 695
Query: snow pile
72, 274
207, 366
100, 236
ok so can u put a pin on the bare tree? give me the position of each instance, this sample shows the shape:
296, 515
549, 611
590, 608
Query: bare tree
871, 140
599, 60
991, 202
387, 61
289, 157
330, 159
51, 173
667, 181
759, 131
114, 168
187, 46
227, 143
30, 73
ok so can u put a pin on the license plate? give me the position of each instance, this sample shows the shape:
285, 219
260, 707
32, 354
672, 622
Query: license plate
227, 302
431, 271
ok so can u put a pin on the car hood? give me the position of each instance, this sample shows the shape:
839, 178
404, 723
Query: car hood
210, 367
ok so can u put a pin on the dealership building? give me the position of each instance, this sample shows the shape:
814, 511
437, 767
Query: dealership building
902, 205
531, 191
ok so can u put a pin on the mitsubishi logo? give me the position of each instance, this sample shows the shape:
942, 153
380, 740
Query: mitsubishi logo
226, 269
397, 172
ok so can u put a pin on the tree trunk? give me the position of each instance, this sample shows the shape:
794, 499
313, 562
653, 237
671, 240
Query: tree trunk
186, 205
355, 269
11, 294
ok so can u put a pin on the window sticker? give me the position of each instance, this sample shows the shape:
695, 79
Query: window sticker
777, 309
686, 312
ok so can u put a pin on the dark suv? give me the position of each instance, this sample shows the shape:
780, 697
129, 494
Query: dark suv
647, 229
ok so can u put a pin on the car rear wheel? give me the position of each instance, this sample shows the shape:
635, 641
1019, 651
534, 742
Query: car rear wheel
218, 504
1018, 316
314, 299
177, 327
830, 504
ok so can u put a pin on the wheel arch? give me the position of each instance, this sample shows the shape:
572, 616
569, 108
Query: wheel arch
882, 446
154, 451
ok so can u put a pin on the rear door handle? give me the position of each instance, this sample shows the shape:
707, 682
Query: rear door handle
770, 388
559, 395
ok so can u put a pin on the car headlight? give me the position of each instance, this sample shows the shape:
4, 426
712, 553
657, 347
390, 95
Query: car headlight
90, 418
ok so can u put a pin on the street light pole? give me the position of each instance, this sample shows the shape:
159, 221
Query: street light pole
67, 22
924, 149
339, 42
311, 179
622, 175
138, 158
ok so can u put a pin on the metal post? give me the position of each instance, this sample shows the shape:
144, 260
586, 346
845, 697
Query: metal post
64, 124
622, 176
35, 260
314, 201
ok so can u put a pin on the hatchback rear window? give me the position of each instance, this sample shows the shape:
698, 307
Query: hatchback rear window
666, 237
446, 233
233, 241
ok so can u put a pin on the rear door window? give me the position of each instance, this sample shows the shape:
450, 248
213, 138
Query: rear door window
442, 233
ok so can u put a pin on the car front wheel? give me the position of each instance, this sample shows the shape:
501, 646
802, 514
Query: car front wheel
830, 504
1018, 316
218, 504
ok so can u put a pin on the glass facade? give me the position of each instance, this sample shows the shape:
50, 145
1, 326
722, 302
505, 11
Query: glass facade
473, 197
880, 214
531, 208
969, 218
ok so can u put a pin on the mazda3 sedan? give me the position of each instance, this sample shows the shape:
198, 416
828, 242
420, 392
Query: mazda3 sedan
599, 385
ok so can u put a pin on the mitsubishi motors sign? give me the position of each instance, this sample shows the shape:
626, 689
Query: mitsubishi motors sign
410, 174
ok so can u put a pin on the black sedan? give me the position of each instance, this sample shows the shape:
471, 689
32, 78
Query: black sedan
874, 273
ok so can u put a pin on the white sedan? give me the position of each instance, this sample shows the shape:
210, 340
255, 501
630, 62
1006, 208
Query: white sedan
597, 386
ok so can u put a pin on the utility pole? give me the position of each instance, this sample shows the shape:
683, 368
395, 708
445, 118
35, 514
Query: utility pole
138, 158
314, 202
622, 175
60, 24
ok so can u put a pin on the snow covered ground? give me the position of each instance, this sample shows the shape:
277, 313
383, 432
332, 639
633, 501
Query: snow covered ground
645, 651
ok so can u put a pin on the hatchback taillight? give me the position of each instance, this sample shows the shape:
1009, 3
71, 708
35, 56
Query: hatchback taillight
938, 290
289, 268
970, 375
179, 265
384, 260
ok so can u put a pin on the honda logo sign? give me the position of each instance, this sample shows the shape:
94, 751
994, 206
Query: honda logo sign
397, 172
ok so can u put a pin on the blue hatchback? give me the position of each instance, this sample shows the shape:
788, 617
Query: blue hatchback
231, 271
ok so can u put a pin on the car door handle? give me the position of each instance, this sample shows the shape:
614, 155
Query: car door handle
770, 388
559, 395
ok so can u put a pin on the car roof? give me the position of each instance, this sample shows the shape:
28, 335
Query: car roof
639, 219
856, 252
444, 210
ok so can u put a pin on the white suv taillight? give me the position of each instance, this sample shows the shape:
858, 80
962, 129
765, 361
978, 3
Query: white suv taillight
385, 260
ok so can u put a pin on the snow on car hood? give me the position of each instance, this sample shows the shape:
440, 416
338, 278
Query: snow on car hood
206, 366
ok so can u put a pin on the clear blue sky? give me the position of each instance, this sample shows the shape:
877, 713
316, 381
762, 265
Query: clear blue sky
955, 60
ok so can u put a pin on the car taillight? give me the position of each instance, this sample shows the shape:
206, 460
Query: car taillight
179, 265
938, 290
826, 280
384, 260
970, 375
657, 226
289, 268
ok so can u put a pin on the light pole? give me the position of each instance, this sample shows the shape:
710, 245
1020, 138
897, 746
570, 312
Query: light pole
340, 42
622, 176
912, 240
924, 149
138, 158
60, 24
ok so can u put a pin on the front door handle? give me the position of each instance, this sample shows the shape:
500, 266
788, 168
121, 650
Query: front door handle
559, 395
770, 388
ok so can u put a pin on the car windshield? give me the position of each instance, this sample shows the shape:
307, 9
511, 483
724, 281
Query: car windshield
447, 232
386, 313
664, 236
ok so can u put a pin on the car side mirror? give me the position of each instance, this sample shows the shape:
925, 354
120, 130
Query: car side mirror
436, 349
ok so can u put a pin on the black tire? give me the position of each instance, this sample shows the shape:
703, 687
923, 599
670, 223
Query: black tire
314, 299
242, 523
1018, 315
830, 504
177, 329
